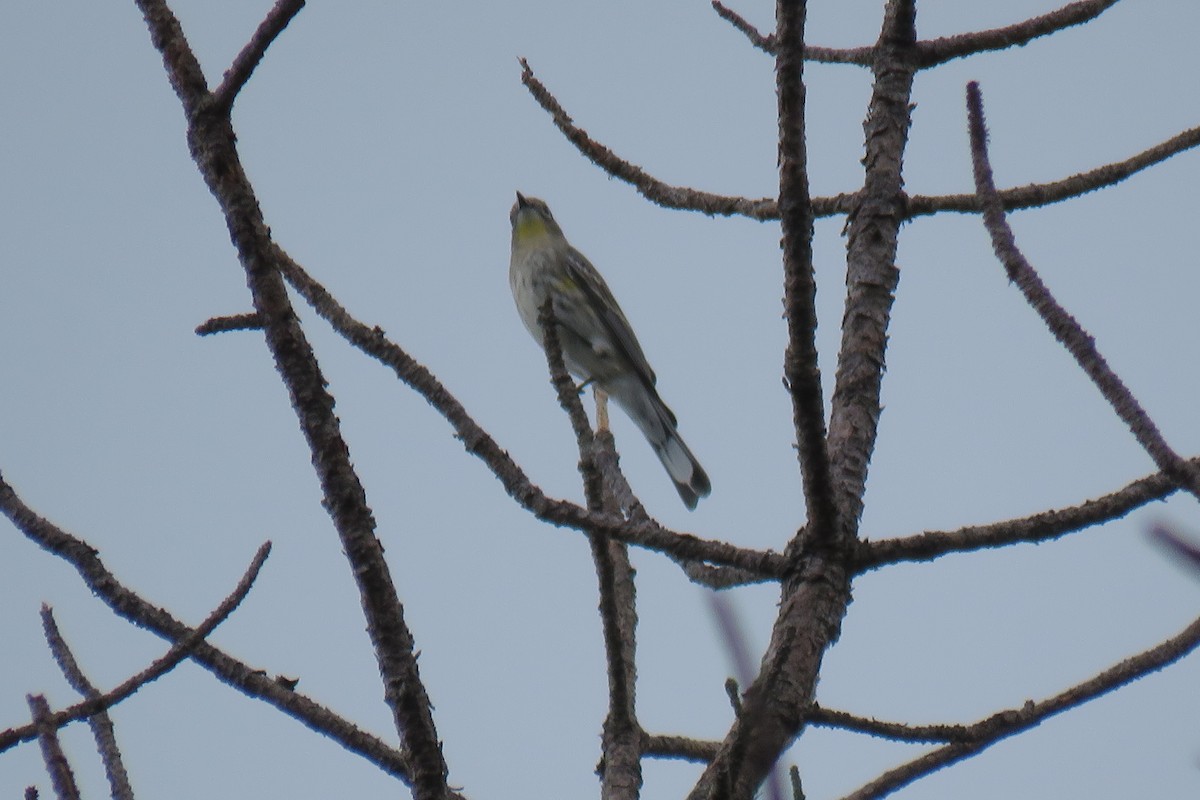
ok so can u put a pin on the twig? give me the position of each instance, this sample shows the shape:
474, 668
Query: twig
61, 776
1065, 328
895, 731
681, 747
1035, 195
100, 722
246, 679
939, 51
1041, 527
236, 322
651, 188
250, 56
764, 43
987, 732
180, 650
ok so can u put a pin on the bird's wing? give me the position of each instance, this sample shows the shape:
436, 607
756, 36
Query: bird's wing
610, 314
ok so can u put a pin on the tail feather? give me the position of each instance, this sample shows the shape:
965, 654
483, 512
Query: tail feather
691, 481
657, 423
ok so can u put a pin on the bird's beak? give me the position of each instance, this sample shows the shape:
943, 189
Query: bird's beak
521, 200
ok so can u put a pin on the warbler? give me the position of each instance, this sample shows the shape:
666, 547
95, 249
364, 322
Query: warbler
598, 344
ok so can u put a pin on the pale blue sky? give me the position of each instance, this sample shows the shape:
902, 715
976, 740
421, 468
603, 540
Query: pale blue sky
386, 141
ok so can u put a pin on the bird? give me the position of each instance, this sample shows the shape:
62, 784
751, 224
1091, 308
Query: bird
597, 341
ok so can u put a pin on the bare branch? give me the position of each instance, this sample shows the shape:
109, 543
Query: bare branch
896, 731
651, 188
764, 43
873, 231
939, 51
987, 732
247, 60
61, 776
649, 534
1035, 195
681, 747
718, 577
1065, 328
214, 148
100, 722
801, 370
620, 766
1041, 527
236, 322
180, 650
246, 679
568, 398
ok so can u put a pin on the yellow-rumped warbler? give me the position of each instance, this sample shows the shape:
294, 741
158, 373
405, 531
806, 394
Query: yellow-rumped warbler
598, 344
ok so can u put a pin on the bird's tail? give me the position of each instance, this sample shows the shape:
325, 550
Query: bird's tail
646, 408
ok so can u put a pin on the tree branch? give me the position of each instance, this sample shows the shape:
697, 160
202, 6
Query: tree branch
246, 679
1041, 527
1035, 195
816, 589
985, 733
620, 765
801, 370
650, 187
1065, 328
250, 56
180, 650
938, 51
871, 275
896, 731
213, 146
99, 722
61, 776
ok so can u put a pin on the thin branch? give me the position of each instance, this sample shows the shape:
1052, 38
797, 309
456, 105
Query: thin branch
764, 43
650, 187
1041, 527
802, 372
61, 776
985, 733
620, 769
1036, 195
683, 748
213, 145
568, 399
178, 651
99, 722
248, 59
939, 51
237, 674
648, 534
1065, 328
236, 322
718, 577
896, 731
931, 52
